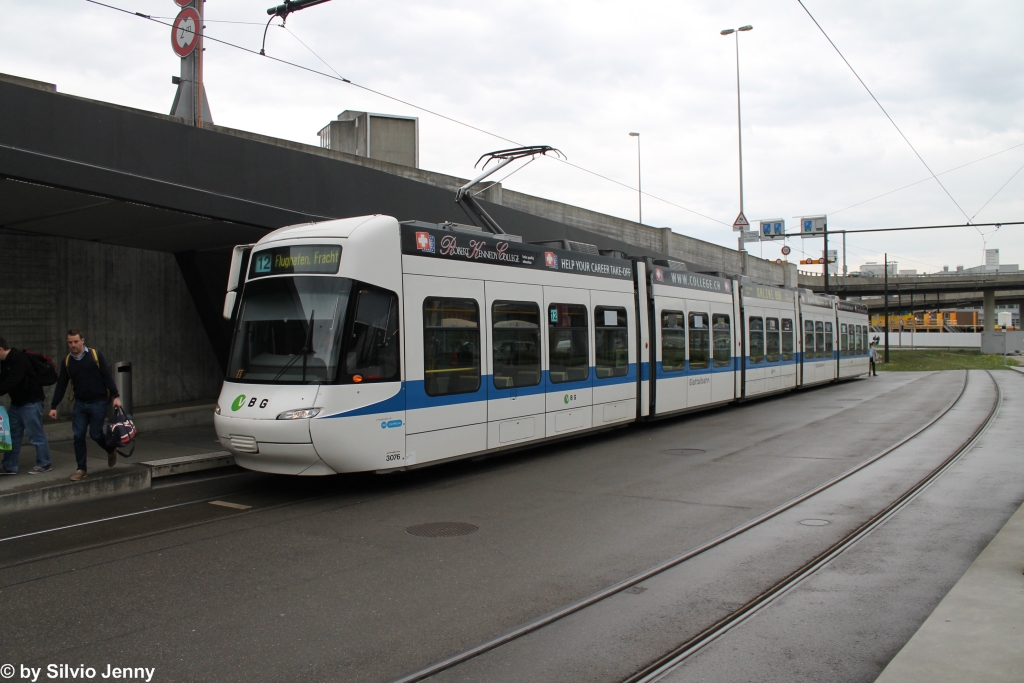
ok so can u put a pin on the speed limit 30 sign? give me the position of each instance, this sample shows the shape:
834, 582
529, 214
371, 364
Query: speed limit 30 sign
185, 32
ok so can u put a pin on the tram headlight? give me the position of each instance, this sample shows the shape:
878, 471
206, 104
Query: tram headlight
216, 409
300, 414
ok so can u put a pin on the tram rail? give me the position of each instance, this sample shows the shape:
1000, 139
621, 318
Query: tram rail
671, 659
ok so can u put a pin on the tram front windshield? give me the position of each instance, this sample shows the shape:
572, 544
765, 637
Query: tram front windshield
288, 330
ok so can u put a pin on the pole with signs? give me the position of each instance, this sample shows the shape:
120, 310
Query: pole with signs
825, 233
190, 101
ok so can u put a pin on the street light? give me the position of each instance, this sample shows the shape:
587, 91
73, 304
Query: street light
639, 190
739, 124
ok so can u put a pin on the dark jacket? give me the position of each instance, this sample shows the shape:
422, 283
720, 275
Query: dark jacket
91, 381
17, 378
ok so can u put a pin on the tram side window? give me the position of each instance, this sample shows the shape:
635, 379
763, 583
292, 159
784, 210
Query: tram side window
516, 335
722, 340
844, 340
819, 339
568, 355
611, 342
700, 341
808, 339
451, 346
771, 339
673, 341
828, 340
756, 326
787, 339
372, 346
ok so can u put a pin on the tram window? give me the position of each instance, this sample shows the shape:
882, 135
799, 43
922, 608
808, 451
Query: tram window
756, 326
787, 339
808, 339
568, 355
673, 341
771, 339
828, 340
451, 346
371, 350
700, 341
819, 339
844, 342
611, 342
862, 343
516, 338
722, 339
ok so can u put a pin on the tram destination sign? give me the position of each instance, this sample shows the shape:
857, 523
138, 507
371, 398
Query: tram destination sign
418, 240
684, 278
815, 300
769, 293
318, 259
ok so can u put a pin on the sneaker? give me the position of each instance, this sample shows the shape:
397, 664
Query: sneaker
39, 469
79, 476
111, 458
3, 472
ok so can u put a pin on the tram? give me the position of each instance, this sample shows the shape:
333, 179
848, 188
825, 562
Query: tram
369, 344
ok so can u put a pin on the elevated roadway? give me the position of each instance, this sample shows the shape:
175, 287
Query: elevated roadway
919, 285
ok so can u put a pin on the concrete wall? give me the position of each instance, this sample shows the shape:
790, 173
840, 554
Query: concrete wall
932, 340
122, 299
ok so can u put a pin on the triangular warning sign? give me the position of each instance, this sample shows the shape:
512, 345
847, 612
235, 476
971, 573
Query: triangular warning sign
741, 221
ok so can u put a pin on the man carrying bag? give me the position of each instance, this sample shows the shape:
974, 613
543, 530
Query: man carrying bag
92, 388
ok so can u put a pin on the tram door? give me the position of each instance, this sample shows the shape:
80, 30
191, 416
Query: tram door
517, 338
569, 379
698, 322
723, 382
446, 367
615, 356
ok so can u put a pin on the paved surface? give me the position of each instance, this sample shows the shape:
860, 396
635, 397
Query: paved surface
320, 581
150, 446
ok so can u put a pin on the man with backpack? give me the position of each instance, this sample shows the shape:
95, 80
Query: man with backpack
18, 378
92, 388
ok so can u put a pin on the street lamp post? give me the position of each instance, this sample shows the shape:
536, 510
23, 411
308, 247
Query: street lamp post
739, 122
639, 189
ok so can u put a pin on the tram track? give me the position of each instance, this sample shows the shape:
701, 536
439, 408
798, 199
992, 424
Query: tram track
669, 660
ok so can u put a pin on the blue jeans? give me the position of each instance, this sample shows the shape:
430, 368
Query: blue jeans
87, 414
27, 418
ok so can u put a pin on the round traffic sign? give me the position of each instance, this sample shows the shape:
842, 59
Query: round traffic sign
185, 32
778, 261
786, 250
182, 3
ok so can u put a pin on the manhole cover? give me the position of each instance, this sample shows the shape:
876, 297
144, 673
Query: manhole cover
683, 451
814, 522
441, 529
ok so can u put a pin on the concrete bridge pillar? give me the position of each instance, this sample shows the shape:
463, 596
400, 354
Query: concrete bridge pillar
989, 311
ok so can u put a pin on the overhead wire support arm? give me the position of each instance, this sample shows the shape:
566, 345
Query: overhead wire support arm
283, 11
504, 158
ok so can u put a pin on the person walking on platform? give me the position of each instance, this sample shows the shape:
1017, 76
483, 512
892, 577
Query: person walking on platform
92, 388
873, 359
17, 378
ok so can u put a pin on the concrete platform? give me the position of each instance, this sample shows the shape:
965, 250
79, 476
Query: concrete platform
147, 419
977, 631
157, 454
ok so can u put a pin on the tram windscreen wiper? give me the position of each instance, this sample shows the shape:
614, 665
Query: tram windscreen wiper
304, 352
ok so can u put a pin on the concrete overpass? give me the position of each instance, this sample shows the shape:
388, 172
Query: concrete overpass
120, 221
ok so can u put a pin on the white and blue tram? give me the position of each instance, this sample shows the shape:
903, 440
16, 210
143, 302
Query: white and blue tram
365, 344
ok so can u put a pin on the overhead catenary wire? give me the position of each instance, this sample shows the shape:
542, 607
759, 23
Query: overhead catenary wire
924, 180
338, 77
861, 80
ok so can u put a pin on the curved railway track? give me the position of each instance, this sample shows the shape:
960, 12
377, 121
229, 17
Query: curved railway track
669, 660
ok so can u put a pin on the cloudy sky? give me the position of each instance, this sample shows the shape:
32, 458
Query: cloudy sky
581, 75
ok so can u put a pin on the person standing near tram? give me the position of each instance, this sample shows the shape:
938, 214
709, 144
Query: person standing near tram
92, 389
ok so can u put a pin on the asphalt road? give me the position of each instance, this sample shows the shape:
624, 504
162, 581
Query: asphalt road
319, 580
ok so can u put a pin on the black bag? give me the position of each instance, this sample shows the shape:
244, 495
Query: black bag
120, 432
44, 370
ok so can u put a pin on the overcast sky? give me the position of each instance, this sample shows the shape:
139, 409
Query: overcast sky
581, 75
